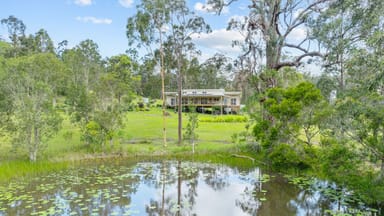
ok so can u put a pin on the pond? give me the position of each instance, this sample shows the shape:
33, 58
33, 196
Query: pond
163, 188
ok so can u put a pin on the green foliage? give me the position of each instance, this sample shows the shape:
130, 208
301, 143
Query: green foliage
4, 48
283, 156
190, 130
223, 118
30, 82
93, 135
338, 160
286, 111
265, 133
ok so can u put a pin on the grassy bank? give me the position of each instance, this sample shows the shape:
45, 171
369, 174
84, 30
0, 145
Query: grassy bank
140, 137
25, 169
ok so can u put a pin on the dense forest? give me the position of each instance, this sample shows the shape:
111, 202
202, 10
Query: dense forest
330, 122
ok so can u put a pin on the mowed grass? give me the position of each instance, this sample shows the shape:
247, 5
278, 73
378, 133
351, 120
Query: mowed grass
142, 130
140, 136
149, 125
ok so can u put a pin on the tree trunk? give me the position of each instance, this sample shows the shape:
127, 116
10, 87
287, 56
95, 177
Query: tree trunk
178, 188
35, 144
179, 111
162, 212
162, 74
193, 146
33, 155
382, 169
180, 98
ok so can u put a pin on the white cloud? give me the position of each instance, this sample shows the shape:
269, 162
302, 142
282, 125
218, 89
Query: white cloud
200, 7
94, 20
219, 40
297, 13
83, 2
206, 8
126, 3
298, 34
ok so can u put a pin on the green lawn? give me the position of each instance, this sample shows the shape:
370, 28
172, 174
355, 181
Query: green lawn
141, 136
148, 125
142, 133
141, 127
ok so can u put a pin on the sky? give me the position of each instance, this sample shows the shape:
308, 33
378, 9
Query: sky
104, 22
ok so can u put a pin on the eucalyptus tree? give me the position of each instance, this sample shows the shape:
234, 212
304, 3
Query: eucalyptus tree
42, 42
190, 130
150, 82
343, 28
120, 69
29, 84
112, 91
269, 31
146, 28
84, 69
107, 117
215, 72
183, 25
156, 21
360, 112
16, 33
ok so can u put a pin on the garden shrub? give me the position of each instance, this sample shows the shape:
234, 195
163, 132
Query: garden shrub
224, 118
284, 156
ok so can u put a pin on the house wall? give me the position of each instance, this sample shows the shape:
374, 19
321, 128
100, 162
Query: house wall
230, 101
168, 100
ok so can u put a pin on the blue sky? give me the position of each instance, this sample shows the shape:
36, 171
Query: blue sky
104, 22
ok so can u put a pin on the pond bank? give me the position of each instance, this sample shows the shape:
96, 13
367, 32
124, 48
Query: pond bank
122, 186
23, 169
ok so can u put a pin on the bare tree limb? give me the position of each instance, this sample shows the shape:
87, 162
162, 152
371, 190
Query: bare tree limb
296, 47
296, 62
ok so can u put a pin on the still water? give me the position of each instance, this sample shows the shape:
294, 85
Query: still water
161, 188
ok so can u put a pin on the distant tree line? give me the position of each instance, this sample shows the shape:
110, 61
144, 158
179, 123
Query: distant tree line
40, 81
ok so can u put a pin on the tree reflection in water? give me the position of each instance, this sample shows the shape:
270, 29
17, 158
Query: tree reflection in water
161, 188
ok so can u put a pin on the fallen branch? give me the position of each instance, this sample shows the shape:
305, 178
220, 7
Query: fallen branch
243, 156
247, 157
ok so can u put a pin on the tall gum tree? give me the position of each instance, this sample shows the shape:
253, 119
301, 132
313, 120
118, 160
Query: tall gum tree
146, 28
30, 85
158, 21
342, 29
184, 24
269, 32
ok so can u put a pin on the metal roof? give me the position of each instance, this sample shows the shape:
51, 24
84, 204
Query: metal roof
204, 92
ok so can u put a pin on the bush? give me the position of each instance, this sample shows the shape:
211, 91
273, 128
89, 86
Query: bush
224, 118
339, 161
93, 135
284, 156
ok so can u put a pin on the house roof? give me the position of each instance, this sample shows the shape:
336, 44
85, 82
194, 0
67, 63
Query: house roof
204, 92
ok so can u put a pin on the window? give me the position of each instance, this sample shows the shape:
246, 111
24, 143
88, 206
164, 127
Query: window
233, 101
204, 101
184, 101
172, 101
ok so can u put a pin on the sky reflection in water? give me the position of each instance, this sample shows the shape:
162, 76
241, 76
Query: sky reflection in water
159, 188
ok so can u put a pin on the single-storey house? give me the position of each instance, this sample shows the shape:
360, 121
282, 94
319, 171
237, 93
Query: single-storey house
215, 100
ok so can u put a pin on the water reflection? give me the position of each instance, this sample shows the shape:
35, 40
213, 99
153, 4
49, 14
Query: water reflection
160, 188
